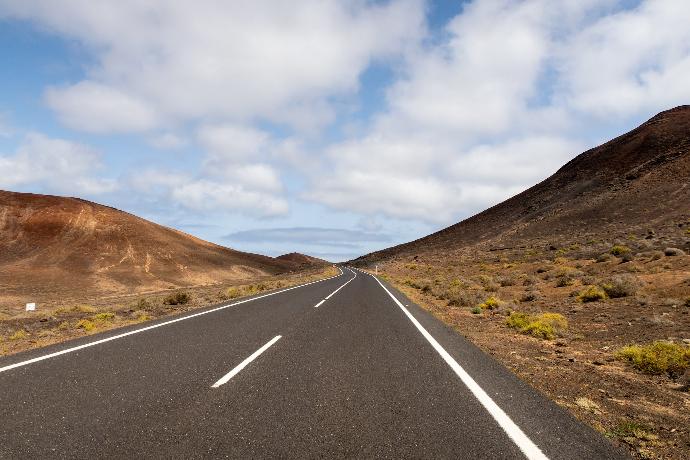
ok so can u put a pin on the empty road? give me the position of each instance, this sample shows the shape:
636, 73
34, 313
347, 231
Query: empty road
345, 367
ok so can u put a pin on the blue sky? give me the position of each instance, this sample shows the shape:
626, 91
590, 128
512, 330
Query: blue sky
325, 127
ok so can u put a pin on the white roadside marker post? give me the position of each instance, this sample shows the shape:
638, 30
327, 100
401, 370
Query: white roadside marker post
30, 306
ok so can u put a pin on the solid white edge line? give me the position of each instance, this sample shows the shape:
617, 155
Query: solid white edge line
319, 304
143, 329
223, 380
525, 444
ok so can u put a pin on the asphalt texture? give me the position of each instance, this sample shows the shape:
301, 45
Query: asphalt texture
351, 378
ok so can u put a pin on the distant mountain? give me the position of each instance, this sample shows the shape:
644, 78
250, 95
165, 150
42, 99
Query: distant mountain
302, 260
636, 182
62, 245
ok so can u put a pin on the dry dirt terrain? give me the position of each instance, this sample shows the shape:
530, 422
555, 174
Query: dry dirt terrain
67, 248
580, 284
61, 320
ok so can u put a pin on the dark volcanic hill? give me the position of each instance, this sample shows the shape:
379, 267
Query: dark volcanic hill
636, 182
62, 245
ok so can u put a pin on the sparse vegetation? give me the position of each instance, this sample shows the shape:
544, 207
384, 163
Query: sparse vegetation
19, 334
106, 316
545, 325
490, 303
621, 286
673, 252
477, 310
629, 430
627, 257
84, 309
656, 255
566, 276
657, 358
488, 283
591, 294
143, 304
618, 250
464, 298
179, 298
86, 325
529, 296
505, 281
605, 257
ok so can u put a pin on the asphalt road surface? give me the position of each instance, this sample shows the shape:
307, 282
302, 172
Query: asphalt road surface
345, 367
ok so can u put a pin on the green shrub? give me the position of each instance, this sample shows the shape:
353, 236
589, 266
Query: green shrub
179, 298
619, 250
591, 294
657, 358
621, 286
544, 326
477, 310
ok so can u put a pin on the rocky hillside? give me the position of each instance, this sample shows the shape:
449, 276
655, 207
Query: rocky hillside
637, 181
57, 245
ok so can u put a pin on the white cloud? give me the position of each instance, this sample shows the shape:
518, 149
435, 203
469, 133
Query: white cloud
204, 195
506, 98
252, 189
231, 143
256, 176
191, 60
167, 141
53, 165
515, 162
97, 108
481, 78
630, 61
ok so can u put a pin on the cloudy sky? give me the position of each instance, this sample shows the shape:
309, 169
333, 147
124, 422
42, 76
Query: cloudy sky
328, 127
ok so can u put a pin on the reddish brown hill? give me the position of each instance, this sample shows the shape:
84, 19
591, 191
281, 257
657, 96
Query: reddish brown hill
61, 245
302, 260
638, 181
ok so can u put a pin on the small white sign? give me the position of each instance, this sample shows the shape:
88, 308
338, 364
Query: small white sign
30, 306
